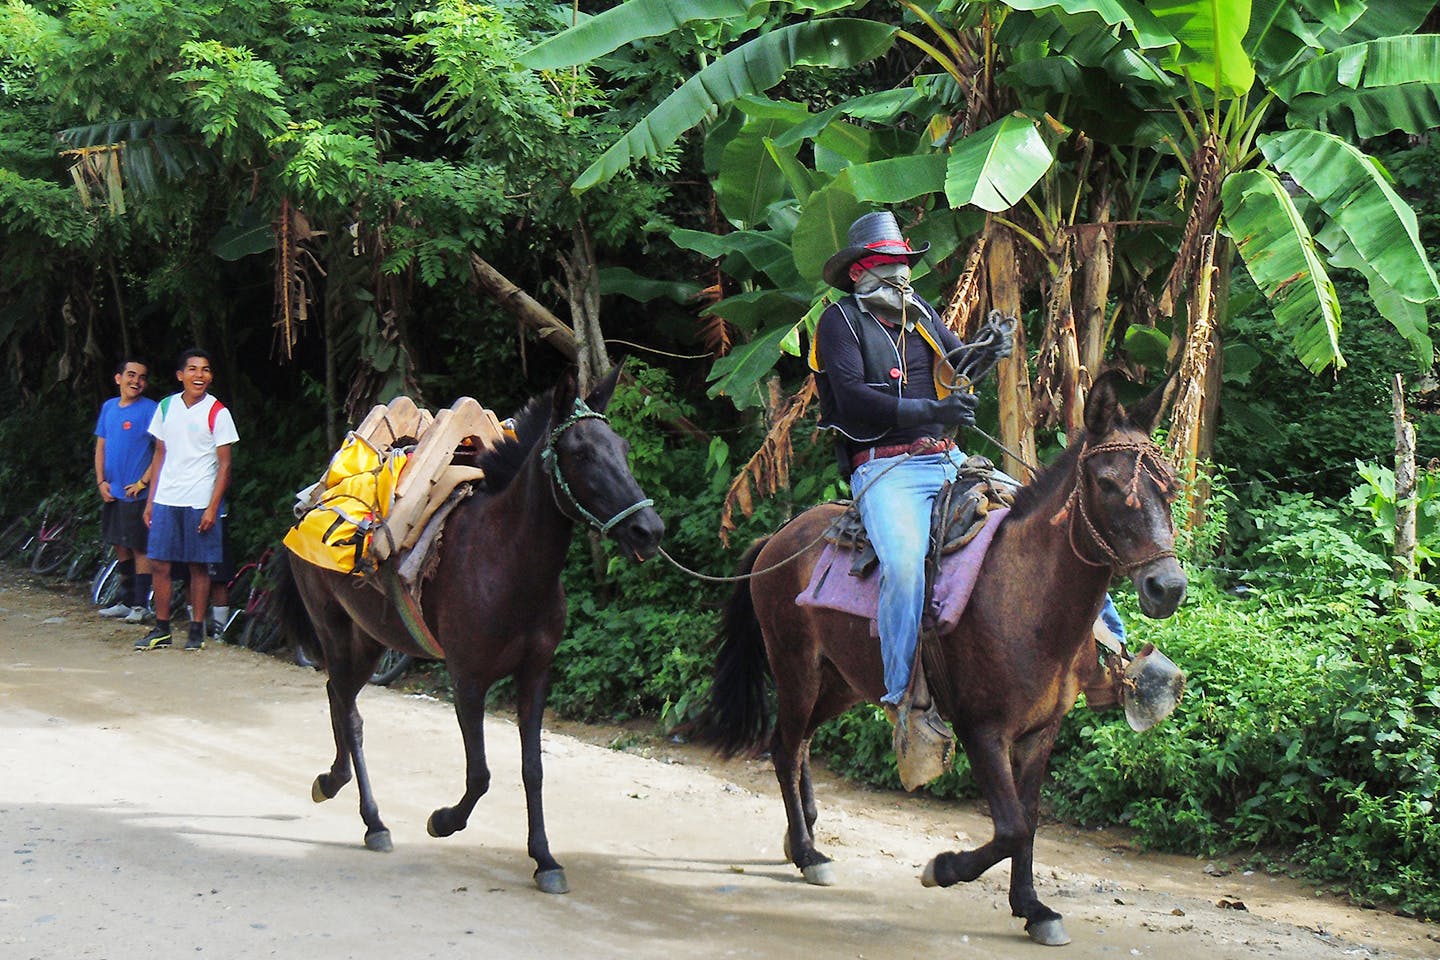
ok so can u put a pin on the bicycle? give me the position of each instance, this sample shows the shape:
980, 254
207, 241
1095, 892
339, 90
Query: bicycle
260, 628
52, 545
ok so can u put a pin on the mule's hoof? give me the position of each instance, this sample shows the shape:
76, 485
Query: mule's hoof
317, 790
927, 879
788, 855
552, 881
441, 823
820, 874
379, 841
1048, 933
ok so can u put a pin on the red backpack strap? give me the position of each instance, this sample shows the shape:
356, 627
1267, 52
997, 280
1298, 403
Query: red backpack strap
215, 409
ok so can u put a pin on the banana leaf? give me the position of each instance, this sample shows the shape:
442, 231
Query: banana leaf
1212, 38
628, 283
1140, 23
1411, 320
750, 68
764, 252
1354, 192
1382, 18
888, 182
994, 167
824, 227
1280, 254
1368, 89
750, 178
596, 36
737, 375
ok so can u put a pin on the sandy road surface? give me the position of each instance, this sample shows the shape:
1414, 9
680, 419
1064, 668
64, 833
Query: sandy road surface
157, 805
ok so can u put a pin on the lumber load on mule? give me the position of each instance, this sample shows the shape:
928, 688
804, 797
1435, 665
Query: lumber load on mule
394, 473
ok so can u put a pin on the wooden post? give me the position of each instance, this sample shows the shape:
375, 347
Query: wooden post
1403, 563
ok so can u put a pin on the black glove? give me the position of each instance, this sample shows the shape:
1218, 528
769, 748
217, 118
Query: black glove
956, 410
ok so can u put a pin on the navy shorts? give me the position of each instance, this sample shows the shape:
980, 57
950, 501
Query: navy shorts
122, 523
175, 536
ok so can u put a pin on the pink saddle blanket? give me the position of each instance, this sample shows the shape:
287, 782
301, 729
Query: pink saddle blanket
832, 586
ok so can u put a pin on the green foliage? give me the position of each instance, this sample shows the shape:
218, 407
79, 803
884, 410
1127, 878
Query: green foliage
1376, 495
1310, 722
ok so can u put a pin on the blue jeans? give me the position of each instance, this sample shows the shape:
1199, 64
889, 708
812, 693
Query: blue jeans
895, 498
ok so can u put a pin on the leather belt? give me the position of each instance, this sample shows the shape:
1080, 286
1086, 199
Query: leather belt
919, 448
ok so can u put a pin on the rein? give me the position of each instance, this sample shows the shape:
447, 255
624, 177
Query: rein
1074, 506
550, 465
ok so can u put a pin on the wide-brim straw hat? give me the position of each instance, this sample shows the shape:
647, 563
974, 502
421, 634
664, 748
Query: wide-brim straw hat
874, 233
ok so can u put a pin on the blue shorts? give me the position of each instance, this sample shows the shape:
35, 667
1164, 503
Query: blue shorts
175, 536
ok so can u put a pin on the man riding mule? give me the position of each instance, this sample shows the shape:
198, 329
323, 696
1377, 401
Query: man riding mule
889, 389
1011, 664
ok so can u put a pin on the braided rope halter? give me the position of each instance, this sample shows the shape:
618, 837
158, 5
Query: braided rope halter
1149, 462
550, 465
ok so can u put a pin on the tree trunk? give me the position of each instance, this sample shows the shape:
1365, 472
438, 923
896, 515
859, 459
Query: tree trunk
1403, 563
1199, 372
582, 289
1017, 432
526, 308
1097, 265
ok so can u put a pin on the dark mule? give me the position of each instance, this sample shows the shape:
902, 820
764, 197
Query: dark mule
494, 602
1011, 668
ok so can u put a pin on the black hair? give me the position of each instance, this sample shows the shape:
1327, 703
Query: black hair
128, 359
193, 352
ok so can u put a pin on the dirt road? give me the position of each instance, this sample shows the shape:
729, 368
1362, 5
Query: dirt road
157, 805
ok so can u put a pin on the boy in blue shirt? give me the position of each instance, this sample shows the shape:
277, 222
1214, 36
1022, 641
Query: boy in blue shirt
124, 454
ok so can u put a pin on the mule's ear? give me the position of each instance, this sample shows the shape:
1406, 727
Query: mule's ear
565, 393
599, 398
1145, 413
1102, 405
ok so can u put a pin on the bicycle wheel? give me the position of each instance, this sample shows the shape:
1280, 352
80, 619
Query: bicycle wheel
51, 555
105, 588
84, 561
262, 633
391, 667
241, 586
13, 537
109, 570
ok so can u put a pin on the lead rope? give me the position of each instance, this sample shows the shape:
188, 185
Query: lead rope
741, 577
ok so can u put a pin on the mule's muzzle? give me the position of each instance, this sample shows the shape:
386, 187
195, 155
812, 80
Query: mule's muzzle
1161, 587
640, 534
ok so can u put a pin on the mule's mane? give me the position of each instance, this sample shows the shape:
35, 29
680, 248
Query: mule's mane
1029, 497
502, 463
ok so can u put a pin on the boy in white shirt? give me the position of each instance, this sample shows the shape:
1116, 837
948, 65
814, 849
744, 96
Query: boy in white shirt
193, 434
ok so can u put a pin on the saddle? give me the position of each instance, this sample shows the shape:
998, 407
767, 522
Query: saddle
437, 452
960, 511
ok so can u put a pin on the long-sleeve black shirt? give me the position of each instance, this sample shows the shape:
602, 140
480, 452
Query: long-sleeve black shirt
861, 407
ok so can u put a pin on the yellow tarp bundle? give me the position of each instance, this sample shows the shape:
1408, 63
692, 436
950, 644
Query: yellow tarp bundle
359, 490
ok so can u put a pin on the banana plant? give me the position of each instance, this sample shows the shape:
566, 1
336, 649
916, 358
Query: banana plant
1268, 92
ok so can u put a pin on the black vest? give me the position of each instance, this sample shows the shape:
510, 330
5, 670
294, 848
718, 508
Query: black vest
878, 356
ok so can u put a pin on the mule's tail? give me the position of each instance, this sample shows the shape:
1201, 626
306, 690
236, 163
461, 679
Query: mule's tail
290, 610
737, 718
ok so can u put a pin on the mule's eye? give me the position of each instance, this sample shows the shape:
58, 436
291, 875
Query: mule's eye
1110, 485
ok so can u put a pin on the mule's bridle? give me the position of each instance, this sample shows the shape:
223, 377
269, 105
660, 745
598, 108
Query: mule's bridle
1147, 462
550, 465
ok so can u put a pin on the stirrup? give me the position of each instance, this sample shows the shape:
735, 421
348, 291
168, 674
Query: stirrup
924, 745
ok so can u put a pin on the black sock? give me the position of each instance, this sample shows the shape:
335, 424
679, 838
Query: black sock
143, 584
162, 625
127, 577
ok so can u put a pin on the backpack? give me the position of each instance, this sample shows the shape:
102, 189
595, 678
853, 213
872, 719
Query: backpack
215, 409
358, 492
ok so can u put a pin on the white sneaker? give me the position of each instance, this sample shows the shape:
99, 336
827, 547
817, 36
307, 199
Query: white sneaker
136, 615
118, 610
